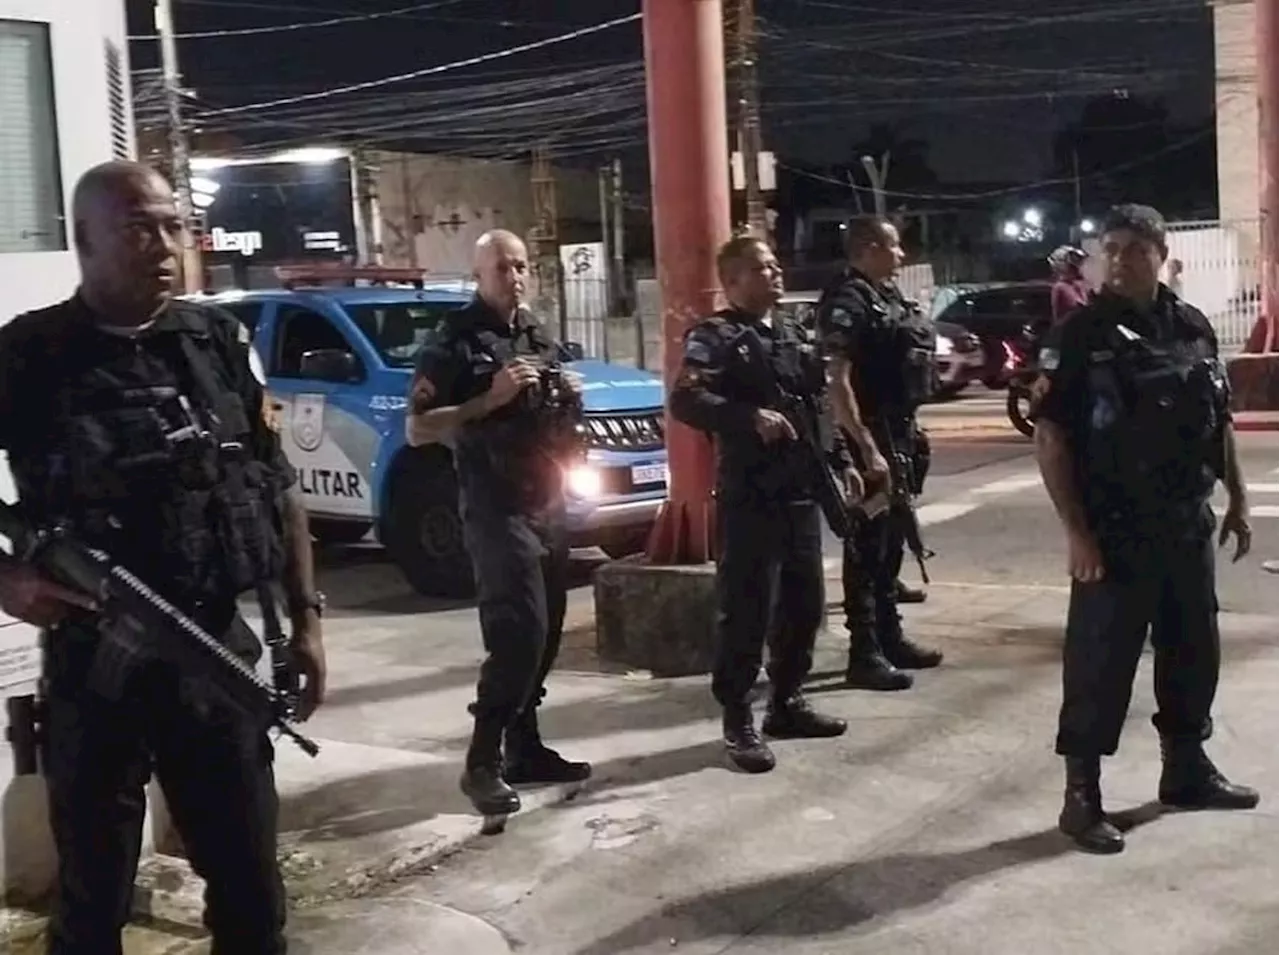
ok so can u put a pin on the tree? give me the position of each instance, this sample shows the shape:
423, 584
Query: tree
1127, 149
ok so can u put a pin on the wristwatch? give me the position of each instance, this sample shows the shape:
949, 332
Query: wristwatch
317, 602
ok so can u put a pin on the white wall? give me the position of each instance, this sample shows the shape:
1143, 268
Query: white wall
1235, 59
79, 31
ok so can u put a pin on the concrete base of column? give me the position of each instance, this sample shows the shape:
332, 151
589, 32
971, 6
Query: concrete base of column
166, 888
1254, 382
28, 857
660, 619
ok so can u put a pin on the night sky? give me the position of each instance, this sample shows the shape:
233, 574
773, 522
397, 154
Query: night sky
986, 83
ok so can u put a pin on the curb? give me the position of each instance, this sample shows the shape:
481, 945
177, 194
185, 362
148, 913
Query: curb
1265, 421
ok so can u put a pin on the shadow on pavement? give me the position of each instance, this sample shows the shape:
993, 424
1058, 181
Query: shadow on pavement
446, 678
836, 898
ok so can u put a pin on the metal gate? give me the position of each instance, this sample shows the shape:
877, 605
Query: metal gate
1219, 274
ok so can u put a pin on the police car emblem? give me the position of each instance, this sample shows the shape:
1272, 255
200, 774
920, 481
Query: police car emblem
307, 422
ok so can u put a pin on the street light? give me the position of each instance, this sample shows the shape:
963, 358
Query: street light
1088, 226
1033, 218
1011, 230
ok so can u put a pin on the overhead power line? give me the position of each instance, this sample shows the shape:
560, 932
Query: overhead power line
305, 25
429, 71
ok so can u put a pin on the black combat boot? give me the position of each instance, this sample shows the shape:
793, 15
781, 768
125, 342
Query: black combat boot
482, 781
1189, 780
746, 749
792, 717
868, 668
898, 650
1082, 817
908, 595
529, 760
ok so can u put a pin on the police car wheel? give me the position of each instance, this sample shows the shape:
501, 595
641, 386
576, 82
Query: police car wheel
423, 531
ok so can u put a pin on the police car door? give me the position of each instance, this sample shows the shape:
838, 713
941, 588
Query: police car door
315, 375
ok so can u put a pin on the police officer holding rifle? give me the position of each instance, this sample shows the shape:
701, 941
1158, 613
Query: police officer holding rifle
134, 423
880, 365
1133, 429
746, 374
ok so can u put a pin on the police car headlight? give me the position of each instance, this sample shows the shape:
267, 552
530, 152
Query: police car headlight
943, 346
583, 480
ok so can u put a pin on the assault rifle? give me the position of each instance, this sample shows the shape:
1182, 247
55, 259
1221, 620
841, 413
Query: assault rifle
135, 623
827, 485
902, 478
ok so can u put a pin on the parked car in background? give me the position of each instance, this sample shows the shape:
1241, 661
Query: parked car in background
957, 352
998, 315
337, 360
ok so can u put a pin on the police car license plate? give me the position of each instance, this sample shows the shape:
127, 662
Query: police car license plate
648, 474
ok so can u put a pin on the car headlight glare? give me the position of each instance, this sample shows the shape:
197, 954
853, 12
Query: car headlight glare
584, 481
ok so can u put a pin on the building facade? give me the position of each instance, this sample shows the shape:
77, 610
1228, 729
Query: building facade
64, 107
1236, 82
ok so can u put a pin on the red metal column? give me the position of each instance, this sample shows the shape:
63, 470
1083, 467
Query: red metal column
689, 162
1268, 143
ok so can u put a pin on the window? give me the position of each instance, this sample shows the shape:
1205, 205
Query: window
301, 331
116, 103
31, 218
247, 312
398, 329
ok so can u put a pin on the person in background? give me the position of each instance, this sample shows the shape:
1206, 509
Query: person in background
1070, 290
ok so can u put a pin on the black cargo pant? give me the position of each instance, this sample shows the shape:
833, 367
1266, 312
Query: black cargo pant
1166, 586
216, 773
522, 568
766, 552
872, 558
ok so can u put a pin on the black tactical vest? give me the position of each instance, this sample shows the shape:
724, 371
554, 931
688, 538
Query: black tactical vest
758, 362
1155, 414
147, 455
898, 372
514, 458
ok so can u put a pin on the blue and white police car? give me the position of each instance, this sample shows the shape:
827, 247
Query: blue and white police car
337, 361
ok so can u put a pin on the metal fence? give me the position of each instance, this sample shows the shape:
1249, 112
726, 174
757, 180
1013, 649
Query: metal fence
1219, 274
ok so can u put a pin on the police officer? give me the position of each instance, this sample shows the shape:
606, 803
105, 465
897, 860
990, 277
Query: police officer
880, 364
769, 528
1131, 435
471, 391
136, 419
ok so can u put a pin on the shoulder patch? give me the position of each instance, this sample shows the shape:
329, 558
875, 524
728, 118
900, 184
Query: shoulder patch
243, 335
1049, 359
696, 351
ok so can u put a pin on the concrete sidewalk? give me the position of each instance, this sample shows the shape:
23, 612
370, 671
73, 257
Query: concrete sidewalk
379, 811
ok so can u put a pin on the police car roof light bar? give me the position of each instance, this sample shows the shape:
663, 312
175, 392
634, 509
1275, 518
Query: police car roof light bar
293, 276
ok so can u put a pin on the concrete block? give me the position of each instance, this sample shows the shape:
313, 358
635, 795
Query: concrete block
660, 619
28, 858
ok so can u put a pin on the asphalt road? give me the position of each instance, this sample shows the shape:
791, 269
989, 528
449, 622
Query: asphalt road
928, 828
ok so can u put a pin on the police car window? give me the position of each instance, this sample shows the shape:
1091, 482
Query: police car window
398, 329
247, 312
302, 330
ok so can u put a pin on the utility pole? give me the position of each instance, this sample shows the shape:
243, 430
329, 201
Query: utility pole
749, 145
878, 175
617, 246
179, 152
603, 176
542, 238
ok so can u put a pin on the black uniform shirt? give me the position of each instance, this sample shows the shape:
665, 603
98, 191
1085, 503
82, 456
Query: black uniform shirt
46, 353
1064, 355
725, 378
457, 364
1065, 360
856, 320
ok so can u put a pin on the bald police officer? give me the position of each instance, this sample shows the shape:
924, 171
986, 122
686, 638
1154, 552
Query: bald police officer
467, 393
136, 420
